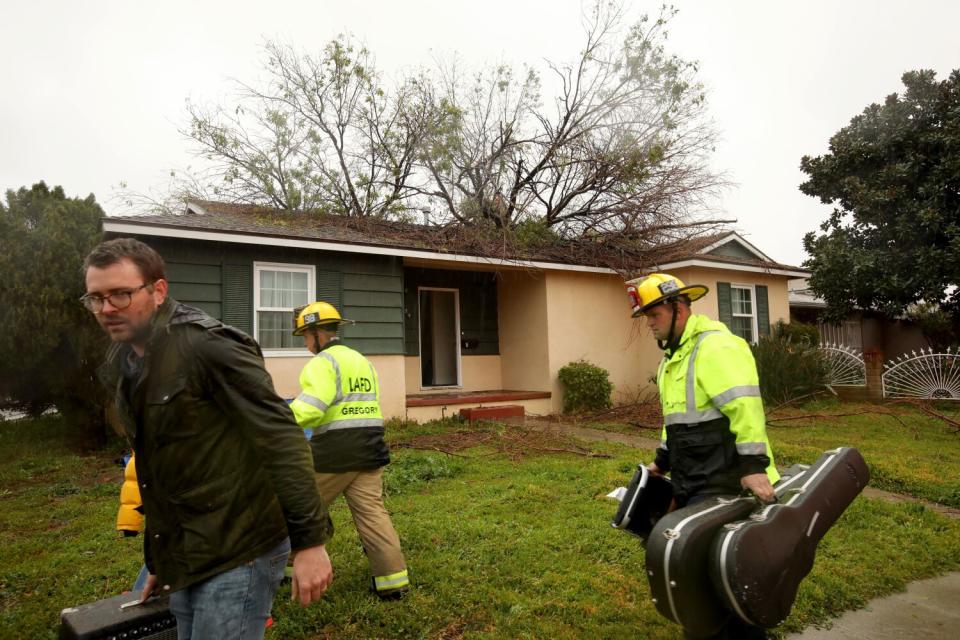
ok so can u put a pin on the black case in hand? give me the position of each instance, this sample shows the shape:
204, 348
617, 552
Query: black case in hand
647, 500
105, 619
757, 564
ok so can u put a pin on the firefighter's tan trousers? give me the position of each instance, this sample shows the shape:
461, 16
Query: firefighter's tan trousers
364, 493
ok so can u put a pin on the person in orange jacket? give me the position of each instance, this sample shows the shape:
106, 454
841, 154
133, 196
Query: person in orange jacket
130, 514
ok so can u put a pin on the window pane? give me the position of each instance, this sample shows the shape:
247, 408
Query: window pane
299, 281
743, 327
300, 294
274, 330
284, 289
268, 288
742, 302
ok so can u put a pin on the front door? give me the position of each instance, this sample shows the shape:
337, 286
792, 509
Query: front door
439, 337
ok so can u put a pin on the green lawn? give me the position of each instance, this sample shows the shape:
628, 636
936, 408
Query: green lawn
499, 545
915, 454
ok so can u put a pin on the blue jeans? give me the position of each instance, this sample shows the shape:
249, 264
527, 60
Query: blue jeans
233, 605
141, 581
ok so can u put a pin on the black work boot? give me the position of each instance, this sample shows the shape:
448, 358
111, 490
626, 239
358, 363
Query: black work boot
388, 594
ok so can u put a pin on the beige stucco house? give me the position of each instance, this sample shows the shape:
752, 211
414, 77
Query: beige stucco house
446, 330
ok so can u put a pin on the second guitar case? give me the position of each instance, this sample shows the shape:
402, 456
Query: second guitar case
757, 563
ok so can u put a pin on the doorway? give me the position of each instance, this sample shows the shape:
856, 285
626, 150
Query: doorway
439, 337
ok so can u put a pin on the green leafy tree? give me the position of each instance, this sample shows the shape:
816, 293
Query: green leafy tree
893, 177
50, 346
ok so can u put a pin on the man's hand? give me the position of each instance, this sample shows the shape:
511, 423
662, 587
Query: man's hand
149, 588
654, 469
759, 485
312, 574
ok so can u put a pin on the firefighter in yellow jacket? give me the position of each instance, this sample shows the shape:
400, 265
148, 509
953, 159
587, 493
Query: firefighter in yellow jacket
714, 438
340, 402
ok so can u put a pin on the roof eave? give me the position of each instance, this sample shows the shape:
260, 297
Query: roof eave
777, 270
128, 226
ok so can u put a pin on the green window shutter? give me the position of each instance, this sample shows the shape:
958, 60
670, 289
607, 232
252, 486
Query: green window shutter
238, 296
725, 303
329, 287
763, 310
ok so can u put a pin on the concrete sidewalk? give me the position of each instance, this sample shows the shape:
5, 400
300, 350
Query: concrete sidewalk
929, 609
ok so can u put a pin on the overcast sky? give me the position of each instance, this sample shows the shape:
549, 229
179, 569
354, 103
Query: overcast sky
93, 92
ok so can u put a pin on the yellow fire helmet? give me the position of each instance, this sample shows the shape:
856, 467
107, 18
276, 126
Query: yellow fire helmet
316, 314
657, 288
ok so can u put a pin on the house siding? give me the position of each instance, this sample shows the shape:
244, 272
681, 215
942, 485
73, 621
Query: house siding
524, 339
734, 249
778, 306
218, 278
589, 319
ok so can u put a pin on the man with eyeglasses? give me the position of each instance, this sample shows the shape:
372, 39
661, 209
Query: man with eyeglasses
225, 475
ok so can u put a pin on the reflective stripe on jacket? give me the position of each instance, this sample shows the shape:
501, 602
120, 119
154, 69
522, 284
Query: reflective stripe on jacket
714, 426
340, 402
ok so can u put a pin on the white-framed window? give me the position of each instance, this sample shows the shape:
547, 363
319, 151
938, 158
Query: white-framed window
277, 289
743, 298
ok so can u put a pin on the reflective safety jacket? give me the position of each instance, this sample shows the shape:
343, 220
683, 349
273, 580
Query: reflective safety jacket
714, 428
340, 402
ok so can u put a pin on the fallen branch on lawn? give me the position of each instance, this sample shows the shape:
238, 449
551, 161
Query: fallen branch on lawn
798, 399
585, 454
823, 415
405, 445
641, 425
930, 411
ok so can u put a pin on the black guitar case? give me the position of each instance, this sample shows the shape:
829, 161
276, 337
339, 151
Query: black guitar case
678, 554
647, 499
106, 619
757, 564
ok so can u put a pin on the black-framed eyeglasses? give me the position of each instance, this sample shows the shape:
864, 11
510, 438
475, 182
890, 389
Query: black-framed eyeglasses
119, 299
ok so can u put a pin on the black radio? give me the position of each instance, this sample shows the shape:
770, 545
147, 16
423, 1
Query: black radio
119, 618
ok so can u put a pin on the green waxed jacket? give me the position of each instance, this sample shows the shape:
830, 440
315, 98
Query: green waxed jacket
224, 472
714, 426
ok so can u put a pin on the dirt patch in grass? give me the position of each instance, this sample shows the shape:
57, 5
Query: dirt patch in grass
72, 475
453, 631
516, 443
897, 498
644, 414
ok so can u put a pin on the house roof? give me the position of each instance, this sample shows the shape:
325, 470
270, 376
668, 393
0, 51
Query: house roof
730, 251
249, 224
799, 294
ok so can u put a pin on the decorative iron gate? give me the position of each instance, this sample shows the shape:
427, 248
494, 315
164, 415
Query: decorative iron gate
929, 375
844, 365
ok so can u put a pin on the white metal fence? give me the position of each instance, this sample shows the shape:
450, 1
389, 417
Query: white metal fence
927, 375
